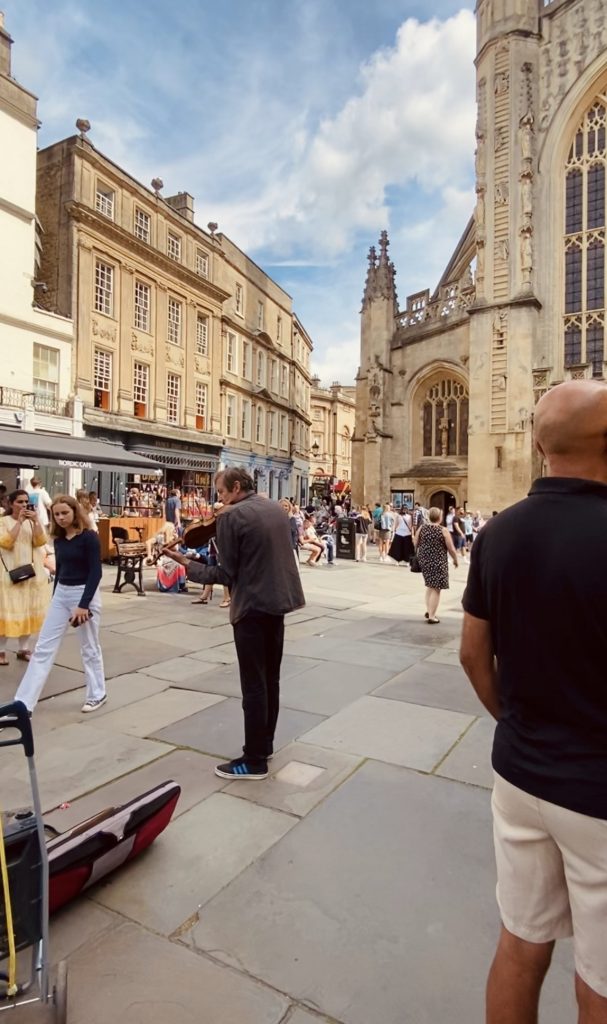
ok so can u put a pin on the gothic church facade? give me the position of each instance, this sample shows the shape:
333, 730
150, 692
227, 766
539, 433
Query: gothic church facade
446, 387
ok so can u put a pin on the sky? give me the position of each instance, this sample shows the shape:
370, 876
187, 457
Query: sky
302, 127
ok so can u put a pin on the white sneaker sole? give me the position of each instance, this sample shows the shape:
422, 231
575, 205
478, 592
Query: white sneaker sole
240, 778
88, 709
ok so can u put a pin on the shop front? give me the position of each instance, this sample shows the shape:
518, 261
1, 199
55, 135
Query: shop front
273, 476
191, 470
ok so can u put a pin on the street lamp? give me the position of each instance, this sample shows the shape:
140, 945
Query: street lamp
315, 449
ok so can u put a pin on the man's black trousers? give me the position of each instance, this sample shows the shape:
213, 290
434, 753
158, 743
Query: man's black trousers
259, 641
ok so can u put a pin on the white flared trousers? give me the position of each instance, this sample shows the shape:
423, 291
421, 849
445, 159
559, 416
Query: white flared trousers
64, 602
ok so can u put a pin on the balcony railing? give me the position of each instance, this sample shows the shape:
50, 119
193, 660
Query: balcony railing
453, 299
12, 398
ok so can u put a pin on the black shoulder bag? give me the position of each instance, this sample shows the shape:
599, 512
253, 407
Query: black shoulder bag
21, 572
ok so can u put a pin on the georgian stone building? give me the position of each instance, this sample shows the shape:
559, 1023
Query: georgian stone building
447, 386
332, 411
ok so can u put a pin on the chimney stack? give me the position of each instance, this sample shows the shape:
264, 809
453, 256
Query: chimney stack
182, 203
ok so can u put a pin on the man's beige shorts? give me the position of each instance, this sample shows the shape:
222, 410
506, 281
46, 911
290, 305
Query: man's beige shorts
552, 876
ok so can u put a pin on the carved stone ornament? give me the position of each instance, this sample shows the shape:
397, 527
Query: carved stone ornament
199, 364
501, 83
502, 250
139, 344
174, 355
577, 38
502, 193
500, 326
85, 243
103, 332
526, 247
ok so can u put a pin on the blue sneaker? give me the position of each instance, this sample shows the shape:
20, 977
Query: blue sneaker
240, 768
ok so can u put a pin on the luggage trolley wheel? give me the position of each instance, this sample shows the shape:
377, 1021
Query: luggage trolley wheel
60, 993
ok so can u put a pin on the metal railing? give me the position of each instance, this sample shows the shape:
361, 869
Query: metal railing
13, 398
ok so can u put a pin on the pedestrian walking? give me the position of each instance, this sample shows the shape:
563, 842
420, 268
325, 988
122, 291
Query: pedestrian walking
401, 548
386, 531
433, 544
534, 645
40, 499
75, 602
256, 562
23, 602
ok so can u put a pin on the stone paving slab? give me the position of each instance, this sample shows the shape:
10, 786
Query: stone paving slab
220, 730
326, 688
300, 1016
176, 670
388, 936
356, 652
192, 861
223, 654
435, 685
182, 635
389, 730
143, 979
122, 690
225, 679
149, 715
417, 631
470, 760
444, 657
290, 787
120, 654
60, 680
193, 771
76, 925
93, 758
309, 627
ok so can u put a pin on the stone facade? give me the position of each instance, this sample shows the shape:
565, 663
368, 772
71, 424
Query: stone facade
446, 388
332, 411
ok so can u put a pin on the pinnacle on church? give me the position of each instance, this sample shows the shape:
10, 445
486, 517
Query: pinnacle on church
380, 275
383, 249
371, 275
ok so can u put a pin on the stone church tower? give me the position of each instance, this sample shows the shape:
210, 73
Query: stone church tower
521, 305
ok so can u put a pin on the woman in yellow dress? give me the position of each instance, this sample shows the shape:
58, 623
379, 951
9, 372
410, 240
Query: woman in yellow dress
22, 605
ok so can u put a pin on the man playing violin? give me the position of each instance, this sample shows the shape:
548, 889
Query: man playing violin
256, 556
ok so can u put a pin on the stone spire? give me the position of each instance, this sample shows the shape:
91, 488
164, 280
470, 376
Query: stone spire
369, 292
380, 275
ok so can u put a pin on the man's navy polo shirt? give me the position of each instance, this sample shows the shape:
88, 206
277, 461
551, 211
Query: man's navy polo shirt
538, 573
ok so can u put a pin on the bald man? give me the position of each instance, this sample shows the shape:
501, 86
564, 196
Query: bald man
534, 645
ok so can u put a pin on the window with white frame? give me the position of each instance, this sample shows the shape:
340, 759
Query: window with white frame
141, 389
142, 306
231, 415
245, 420
174, 318
231, 351
102, 379
261, 369
202, 263
104, 200
284, 433
173, 397
284, 380
247, 360
46, 371
104, 288
202, 335
259, 425
202, 401
173, 247
260, 316
272, 429
239, 299
142, 225
274, 376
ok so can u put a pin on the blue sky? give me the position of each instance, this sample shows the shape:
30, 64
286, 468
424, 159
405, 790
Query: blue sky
303, 127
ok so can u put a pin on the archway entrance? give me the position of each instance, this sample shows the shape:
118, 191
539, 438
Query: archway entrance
442, 500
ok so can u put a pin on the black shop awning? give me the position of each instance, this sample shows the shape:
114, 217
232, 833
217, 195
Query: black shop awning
175, 458
22, 448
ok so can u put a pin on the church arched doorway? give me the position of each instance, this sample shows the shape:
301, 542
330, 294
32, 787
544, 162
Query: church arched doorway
442, 500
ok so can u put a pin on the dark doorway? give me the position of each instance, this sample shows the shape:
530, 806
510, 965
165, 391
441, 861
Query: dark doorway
442, 500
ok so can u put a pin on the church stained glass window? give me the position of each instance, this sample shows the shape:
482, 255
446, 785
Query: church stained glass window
585, 223
445, 419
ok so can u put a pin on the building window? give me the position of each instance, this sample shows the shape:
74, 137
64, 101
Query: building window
259, 425
231, 353
260, 316
284, 433
142, 225
247, 360
104, 288
202, 399
245, 421
261, 370
585, 222
173, 397
142, 306
239, 300
274, 376
273, 429
141, 389
231, 415
279, 330
102, 380
284, 380
46, 375
104, 201
174, 322
202, 335
318, 414
445, 419
202, 263
174, 247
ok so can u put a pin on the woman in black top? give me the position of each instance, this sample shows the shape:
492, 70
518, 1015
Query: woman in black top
75, 602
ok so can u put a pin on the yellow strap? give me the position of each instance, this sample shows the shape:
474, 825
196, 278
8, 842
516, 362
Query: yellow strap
12, 955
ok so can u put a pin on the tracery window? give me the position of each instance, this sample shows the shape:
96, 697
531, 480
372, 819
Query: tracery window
585, 285
445, 419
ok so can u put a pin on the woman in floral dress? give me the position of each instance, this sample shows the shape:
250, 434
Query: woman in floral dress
22, 605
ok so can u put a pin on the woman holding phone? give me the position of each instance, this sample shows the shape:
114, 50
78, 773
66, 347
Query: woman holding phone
75, 602
22, 605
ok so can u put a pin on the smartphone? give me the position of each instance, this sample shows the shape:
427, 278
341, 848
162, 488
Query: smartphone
30, 507
72, 623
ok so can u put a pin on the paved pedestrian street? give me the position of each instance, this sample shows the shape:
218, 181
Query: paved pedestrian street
355, 885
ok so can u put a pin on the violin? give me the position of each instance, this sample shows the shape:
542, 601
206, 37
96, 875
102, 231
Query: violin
198, 533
